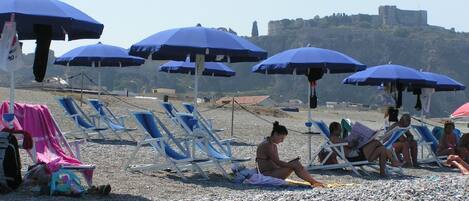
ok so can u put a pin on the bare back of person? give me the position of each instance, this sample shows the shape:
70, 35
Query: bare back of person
263, 158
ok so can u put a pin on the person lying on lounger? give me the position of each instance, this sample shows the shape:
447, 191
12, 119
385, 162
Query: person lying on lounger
448, 141
268, 161
458, 162
406, 145
371, 151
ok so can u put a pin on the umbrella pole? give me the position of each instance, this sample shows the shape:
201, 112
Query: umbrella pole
232, 115
81, 91
99, 84
421, 117
199, 65
67, 72
196, 86
12, 97
309, 127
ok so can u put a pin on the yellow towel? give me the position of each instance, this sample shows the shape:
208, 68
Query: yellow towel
305, 183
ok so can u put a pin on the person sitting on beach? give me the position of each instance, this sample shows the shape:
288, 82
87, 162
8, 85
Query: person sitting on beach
405, 145
448, 141
371, 151
458, 162
463, 147
268, 161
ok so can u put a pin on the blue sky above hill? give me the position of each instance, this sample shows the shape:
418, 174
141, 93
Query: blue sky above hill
127, 22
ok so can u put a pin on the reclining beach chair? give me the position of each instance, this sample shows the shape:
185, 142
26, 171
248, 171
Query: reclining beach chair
223, 144
175, 159
169, 110
430, 143
394, 135
83, 123
215, 150
208, 122
49, 143
337, 148
115, 123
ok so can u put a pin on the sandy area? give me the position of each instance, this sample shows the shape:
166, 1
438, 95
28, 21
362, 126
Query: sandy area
110, 155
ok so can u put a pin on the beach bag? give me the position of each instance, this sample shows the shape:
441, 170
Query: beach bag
10, 163
65, 182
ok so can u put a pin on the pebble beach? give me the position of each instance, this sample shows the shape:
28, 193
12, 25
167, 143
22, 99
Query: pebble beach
429, 182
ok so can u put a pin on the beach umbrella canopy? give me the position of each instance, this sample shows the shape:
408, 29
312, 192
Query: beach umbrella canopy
399, 77
60, 17
444, 83
211, 68
389, 74
197, 44
302, 60
177, 44
98, 55
461, 112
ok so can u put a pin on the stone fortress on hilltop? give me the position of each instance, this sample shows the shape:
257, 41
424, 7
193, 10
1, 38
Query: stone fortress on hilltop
388, 16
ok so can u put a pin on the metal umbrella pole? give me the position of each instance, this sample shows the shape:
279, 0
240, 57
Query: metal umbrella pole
308, 124
199, 67
12, 97
81, 91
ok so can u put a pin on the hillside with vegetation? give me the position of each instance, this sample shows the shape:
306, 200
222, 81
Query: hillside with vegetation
430, 48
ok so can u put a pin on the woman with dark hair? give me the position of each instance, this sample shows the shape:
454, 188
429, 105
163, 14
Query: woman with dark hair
268, 161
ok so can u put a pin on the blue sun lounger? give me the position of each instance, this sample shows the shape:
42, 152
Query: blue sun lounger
429, 141
337, 148
206, 147
82, 122
177, 158
223, 144
208, 122
114, 123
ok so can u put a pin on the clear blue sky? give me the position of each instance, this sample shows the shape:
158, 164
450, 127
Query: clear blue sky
129, 21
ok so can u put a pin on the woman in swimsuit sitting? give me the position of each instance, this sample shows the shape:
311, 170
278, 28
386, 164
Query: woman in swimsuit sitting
269, 163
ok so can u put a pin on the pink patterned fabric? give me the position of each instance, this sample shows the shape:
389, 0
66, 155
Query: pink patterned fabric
38, 121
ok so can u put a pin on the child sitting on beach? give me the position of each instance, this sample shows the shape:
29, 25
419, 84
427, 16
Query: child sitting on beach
371, 151
268, 161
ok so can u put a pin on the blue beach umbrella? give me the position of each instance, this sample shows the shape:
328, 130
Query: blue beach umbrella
98, 56
389, 74
177, 44
396, 76
312, 62
301, 61
199, 44
46, 20
62, 18
216, 69
444, 83
211, 68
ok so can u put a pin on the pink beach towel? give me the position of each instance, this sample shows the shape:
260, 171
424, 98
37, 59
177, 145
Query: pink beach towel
37, 120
